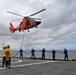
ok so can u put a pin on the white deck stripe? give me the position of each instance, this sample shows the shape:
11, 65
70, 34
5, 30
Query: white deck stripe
15, 62
29, 64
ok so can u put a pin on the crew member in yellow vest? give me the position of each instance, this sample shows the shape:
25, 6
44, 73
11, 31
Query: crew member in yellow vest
8, 53
3, 60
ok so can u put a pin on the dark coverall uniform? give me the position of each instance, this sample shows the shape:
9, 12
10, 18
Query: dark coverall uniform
33, 53
53, 54
43, 53
65, 54
21, 53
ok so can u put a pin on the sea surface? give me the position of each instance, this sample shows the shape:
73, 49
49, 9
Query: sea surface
48, 54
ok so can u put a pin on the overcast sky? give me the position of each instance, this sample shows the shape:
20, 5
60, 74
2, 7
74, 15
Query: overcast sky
57, 30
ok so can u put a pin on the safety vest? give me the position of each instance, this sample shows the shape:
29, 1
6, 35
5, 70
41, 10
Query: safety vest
7, 52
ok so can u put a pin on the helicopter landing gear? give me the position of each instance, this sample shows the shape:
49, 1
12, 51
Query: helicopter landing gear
28, 31
36, 26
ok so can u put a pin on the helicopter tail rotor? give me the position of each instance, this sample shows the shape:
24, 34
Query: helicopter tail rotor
11, 28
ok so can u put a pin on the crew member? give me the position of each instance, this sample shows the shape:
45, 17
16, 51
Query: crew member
43, 53
53, 54
33, 53
65, 54
8, 53
21, 53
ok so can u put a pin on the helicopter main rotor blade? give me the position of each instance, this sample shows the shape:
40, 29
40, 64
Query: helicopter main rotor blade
15, 13
35, 18
16, 19
37, 12
29, 18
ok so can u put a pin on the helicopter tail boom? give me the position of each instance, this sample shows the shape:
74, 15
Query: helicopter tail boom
12, 29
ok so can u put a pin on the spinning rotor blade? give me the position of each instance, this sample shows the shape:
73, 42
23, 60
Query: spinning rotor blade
26, 16
29, 18
37, 12
15, 13
16, 19
36, 18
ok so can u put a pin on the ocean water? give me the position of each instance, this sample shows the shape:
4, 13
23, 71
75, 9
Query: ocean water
48, 54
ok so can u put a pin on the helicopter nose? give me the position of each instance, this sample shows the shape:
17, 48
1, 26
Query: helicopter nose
38, 22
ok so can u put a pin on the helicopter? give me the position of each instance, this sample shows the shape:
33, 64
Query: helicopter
26, 22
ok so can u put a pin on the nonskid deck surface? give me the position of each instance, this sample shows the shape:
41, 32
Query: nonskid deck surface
39, 67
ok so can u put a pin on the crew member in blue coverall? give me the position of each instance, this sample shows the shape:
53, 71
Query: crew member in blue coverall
21, 53
65, 54
43, 53
53, 54
33, 53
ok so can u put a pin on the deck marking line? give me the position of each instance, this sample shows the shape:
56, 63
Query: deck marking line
31, 64
28, 64
15, 62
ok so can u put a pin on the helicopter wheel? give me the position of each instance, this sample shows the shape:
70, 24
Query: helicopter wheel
28, 31
36, 27
23, 30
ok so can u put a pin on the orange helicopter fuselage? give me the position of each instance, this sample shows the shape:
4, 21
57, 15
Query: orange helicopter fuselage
25, 24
